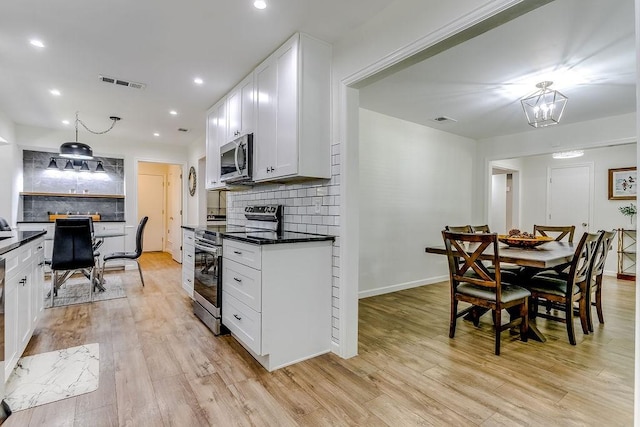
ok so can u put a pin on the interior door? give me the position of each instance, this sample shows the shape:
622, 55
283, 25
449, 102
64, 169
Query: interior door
151, 203
174, 207
570, 195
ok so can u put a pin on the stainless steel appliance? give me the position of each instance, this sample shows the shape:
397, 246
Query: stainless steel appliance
236, 160
208, 279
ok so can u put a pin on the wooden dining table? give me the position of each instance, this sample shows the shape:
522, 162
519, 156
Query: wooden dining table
548, 255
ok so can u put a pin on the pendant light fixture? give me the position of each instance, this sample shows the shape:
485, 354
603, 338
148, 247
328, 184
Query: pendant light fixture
544, 107
78, 150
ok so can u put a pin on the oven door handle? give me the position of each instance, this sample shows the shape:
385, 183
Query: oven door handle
209, 249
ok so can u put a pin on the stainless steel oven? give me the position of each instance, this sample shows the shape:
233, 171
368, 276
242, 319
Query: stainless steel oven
208, 280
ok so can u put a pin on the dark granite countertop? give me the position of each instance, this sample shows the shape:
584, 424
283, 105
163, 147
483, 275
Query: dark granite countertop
235, 232
43, 221
273, 238
18, 239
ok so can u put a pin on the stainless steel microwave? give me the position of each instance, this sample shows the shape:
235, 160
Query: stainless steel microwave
236, 160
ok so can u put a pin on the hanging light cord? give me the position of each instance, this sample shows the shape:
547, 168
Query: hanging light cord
113, 123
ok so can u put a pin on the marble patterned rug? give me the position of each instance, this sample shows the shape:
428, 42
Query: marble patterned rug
76, 291
56, 375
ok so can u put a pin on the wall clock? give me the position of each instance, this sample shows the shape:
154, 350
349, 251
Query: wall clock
192, 181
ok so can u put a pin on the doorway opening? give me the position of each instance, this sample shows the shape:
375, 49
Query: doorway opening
160, 198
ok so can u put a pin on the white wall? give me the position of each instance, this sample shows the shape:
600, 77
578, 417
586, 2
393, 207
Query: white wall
10, 171
414, 180
605, 212
196, 206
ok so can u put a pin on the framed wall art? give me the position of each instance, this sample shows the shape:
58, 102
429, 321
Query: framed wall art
623, 184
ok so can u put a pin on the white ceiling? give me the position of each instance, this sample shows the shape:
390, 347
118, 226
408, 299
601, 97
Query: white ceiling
587, 47
162, 43
165, 44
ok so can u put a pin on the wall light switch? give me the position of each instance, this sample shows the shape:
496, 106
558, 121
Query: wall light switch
317, 204
321, 191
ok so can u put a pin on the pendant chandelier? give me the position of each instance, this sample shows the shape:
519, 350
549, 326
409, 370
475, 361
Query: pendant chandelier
545, 106
79, 151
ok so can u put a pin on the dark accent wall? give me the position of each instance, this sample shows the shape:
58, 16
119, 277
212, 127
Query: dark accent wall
37, 178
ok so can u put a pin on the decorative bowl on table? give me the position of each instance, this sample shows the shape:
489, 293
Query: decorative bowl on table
523, 242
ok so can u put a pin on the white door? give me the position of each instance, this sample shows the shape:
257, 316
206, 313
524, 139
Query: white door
174, 206
570, 195
151, 204
498, 219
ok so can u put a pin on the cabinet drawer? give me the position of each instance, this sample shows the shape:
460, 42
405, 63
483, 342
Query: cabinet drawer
11, 263
243, 322
242, 253
108, 227
188, 253
187, 282
188, 237
243, 283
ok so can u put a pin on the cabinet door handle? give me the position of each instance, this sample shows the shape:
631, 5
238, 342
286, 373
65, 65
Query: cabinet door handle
23, 281
41, 264
237, 280
39, 247
189, 256
237, 317
237, 252
189, 280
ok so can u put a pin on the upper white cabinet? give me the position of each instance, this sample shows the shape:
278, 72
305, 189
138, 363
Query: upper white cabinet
292, 129
240, 109
216, 134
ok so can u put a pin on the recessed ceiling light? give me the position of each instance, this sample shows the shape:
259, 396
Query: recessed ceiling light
173, 112
55, 92
198, 81
65, 122
36, 43
156, 134
260, 4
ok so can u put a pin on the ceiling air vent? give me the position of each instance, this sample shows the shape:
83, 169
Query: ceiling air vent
183, 130
121, 82
444, 119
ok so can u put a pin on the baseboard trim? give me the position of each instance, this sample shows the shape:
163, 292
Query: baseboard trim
401, 286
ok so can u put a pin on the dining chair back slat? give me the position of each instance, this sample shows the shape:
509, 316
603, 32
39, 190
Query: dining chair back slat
558, 232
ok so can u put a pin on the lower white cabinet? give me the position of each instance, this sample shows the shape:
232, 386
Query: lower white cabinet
276, 299
24, 298
188, 259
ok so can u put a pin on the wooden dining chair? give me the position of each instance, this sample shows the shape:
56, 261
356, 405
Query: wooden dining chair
482, 289
595, 294
558, 232
561, 292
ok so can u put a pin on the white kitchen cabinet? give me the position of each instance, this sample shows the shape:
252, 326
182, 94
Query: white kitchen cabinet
276, 299
216, 133
49, 227
240, 109
292, 127
24, 277
188, 260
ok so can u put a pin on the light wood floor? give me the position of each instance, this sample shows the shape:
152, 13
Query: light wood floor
159, 366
